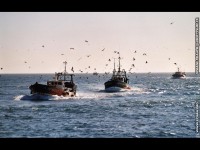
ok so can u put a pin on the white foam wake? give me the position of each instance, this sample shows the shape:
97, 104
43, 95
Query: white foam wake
38, 97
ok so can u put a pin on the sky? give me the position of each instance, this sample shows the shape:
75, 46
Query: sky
39, 42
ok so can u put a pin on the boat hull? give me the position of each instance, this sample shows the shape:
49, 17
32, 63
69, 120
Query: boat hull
115, 86
178, 77
52, 90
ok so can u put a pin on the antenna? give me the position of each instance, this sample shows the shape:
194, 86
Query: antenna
119, 63
65, 69
114, 64
197, 45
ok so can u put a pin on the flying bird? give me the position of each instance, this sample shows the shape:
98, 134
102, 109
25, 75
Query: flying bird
144, 54
135, 52
169, 58
43, 46
146, 62
109, 60
72, 69
62, 54
86, 41
171, 22
25, 62
72, 48
103, 49
175, 64
88, 55
1, 68
133, 58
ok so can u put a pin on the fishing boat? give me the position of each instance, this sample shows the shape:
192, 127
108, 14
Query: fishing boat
118, 81
95, 73
61, 85
178, 74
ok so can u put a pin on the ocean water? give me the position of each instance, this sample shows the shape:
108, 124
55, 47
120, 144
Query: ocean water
156, 107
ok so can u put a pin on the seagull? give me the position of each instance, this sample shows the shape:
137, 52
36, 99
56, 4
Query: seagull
80, 58
175, 64
72, 48
144, 54
72, 69
88, 55
171, 22
109, 60
62, 54
25, 62
146, 62
103, 49
1, 68
86, 41
135, 52
169, 58
133, 58
42, 45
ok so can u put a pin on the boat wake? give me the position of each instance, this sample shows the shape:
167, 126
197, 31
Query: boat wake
81, 95
39, 97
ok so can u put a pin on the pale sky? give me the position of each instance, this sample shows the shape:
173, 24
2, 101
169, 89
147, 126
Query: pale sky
23, 34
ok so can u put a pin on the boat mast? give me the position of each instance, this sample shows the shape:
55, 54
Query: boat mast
65, 69
119, 63
114, 70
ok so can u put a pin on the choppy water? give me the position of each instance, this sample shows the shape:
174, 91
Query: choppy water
157, 106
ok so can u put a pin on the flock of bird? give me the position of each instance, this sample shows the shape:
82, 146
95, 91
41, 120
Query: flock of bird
109, 60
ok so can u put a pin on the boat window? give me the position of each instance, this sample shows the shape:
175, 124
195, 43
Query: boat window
59, 83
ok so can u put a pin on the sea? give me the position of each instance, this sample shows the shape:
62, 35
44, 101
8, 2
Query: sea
156, 106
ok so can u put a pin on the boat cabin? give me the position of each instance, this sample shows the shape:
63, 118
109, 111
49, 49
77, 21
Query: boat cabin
55, 83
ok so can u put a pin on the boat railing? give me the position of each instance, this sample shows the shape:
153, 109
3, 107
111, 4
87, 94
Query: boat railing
60, 75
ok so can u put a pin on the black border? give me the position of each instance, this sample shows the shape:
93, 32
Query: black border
97, 143
98, 6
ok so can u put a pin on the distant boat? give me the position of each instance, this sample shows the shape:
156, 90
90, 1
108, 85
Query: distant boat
118, 82
178, 75
95, 73
62, 85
